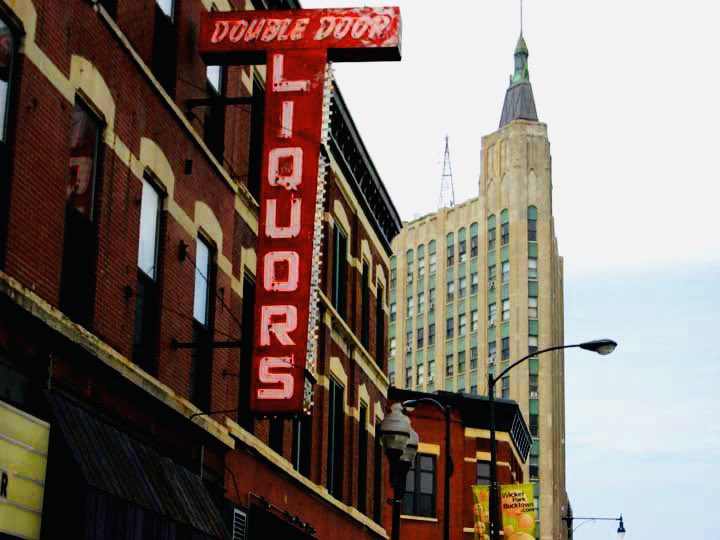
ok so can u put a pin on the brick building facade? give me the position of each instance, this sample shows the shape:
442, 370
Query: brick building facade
128, 223
422, 515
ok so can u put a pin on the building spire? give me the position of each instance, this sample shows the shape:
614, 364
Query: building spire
447, 191
519, 100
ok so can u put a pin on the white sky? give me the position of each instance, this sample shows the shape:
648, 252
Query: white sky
630, 92
628, 89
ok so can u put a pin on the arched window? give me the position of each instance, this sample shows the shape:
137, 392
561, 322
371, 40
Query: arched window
410, 265
532, 224
504, 227
450, 243
433, 257
421, 261
473, 240
462, 246
491, 233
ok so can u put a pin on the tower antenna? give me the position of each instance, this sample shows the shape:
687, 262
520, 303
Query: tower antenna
521, 17
447, 191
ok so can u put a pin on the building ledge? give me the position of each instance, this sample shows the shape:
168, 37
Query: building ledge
419, 518
279, 462
56, 320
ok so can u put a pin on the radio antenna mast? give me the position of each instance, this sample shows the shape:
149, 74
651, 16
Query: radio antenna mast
447, 191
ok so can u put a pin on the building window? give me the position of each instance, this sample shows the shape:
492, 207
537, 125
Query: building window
393, 279
408, 377
391, 376
532, 224
409, 265
410, 306
505, 348
362, 460
431, 300
365, 306
450, 291
462, 287
421, 268
449, 364
504, 227
378, 475
408, 340
533, 386
534, 467
462, 325
257, 135
204, 293
474, 320
393, 347
506, 271
79, 250
532, 344
506, 310
420, 338
491, 233
482, 477
532, 307
419, 499
336, 431
380, 326
245, 417
492, 274
506, 387
302, 444
147, 312
532, 268
431, 372
462, 251
420, 375
276, 435
461, 362
214, 124
393, 312
473, 358
421, 303
473, 283
449, 328
7, 58
492, 312
450, 249
433, 263
473, 240
164, 45
492, 349
431, 334
339, 282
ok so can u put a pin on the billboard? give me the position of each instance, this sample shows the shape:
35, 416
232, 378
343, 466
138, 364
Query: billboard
23, 460
296, 46
517, 513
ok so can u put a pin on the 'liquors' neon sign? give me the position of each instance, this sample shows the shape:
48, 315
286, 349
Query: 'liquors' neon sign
296, 46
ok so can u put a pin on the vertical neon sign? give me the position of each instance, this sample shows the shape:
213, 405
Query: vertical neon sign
296, 46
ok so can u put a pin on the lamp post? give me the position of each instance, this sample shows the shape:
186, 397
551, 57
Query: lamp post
600, 346
408, 405
401, 443
569, 518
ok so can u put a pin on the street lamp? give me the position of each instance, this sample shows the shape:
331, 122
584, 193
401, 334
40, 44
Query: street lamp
600, 346
401, 443
570, 518
409, 405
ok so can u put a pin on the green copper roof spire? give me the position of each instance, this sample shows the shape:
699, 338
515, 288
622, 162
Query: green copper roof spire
519, 100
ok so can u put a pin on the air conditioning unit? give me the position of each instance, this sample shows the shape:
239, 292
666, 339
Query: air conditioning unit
431, 307
491, 283
408, 348
533, 395
492, 323
491, 360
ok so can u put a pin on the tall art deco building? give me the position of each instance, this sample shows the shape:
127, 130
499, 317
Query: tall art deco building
478, 285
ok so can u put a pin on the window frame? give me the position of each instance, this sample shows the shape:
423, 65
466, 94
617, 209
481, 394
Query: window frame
411, 504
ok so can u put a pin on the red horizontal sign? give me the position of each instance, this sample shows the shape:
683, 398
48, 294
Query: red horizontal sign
347, 34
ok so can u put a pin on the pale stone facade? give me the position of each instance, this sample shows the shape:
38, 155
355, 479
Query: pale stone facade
485, 314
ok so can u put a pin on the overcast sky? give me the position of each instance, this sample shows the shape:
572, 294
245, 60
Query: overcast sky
629, 91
